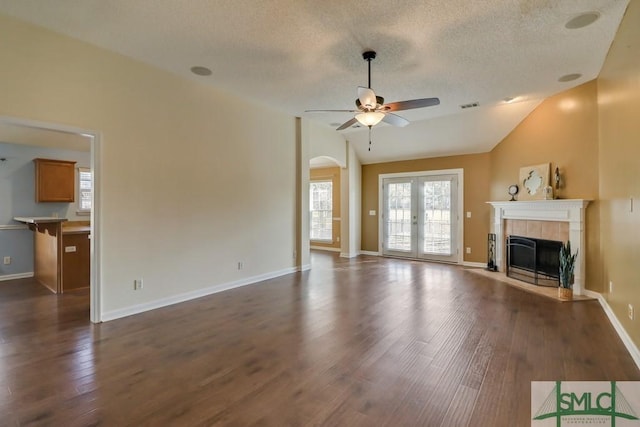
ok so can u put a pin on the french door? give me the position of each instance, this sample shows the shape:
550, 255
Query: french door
420, 217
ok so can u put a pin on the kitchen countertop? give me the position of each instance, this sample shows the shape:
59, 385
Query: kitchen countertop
76, 229
38, 219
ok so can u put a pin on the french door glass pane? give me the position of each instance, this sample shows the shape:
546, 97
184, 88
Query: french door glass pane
437, 217
399, 217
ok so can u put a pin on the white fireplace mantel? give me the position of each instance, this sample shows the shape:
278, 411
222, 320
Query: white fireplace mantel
566, 210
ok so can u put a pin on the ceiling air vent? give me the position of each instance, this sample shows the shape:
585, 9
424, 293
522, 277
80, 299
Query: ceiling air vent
470, 105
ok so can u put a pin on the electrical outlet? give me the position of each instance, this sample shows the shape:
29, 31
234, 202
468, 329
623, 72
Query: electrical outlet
630, 311
338, 239
240, 265
468, 250
610, 287
137, 284
7, 260
294, 254
468, 214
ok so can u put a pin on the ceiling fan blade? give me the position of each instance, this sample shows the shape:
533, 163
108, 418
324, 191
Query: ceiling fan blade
331, 111
395, 120
348, 124
367, 97
409, 105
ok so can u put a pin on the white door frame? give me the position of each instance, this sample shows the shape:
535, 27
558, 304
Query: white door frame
95, 290
460, 223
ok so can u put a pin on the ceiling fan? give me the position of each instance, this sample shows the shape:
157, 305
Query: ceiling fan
371, 108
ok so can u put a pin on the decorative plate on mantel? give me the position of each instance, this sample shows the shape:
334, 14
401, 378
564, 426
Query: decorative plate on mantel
533, 180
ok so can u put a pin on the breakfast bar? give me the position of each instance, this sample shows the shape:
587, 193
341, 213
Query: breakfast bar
61, 252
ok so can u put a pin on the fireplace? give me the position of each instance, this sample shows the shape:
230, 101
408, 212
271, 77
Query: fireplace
570, 212
532, 260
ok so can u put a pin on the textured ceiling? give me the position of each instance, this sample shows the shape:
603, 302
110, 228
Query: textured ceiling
296, 55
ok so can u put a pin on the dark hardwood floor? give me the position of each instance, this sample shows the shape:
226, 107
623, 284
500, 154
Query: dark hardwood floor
369, 341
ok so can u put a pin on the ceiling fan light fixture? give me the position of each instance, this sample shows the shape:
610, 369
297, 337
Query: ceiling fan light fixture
370, 118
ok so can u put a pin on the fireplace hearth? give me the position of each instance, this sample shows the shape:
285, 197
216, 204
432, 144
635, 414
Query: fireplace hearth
533, 261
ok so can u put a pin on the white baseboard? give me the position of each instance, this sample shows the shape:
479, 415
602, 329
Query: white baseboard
346, 255
372, 253
474, 264
304, 267
622, 333
16, 276
324, 248
198, 293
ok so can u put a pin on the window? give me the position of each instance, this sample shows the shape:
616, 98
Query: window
85, 188
321, 206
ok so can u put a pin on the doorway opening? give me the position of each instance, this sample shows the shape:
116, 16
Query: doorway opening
55, 140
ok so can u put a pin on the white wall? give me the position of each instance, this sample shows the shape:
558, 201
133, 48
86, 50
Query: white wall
351, 202
355, 202
17, 198
326, 142
192, 180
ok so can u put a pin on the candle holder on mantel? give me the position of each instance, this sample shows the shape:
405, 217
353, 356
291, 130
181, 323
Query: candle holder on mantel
491, 250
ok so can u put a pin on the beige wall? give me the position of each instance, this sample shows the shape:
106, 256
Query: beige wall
592, 132
325, 142
563, 131
189, 183
476, 194
619, 120
333, 174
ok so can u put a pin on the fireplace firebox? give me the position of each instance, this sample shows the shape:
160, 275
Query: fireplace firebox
533, 260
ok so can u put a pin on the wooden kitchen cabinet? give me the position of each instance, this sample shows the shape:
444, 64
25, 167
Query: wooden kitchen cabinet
55, 180
76, 262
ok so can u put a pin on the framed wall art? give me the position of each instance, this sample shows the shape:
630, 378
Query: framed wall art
533, 180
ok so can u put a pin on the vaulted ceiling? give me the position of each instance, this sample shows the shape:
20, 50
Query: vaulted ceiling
295, 55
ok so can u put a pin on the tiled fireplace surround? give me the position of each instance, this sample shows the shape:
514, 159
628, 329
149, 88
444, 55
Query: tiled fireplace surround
560, 220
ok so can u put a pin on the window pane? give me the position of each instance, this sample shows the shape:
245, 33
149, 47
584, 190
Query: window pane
85, 188
321, 210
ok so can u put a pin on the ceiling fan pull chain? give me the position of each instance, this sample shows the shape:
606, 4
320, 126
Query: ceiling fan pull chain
369, 138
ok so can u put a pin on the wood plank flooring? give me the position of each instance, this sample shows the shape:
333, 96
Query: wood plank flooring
362, 342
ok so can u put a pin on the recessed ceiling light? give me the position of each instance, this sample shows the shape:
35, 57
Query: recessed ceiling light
582, 20
569, 77
201, 71
510, 99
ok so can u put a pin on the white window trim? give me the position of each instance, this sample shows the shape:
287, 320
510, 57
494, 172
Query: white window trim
325, 241
80, 211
